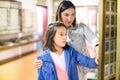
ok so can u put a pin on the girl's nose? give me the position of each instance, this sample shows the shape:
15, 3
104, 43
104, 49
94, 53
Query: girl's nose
65, 37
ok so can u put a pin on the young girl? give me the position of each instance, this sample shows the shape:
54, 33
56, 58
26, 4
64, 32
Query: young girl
59, 59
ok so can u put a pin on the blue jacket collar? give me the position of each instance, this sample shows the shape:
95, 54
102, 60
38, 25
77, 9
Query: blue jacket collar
46, 55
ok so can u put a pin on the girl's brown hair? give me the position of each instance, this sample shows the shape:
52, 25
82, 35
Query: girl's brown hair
50, 33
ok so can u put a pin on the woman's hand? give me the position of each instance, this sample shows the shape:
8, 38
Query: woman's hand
96, 60
96, 54
38, 64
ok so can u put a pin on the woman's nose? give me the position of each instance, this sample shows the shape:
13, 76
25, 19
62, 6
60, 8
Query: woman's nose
69, 18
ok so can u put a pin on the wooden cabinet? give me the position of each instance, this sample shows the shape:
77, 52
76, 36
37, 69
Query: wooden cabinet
15, 48
16, 52
109, 38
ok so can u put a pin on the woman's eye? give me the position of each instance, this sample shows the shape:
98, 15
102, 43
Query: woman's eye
73, 14
66, 14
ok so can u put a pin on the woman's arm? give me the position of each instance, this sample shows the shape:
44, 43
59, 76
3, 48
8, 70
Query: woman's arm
91, 38
37, 63
89, 35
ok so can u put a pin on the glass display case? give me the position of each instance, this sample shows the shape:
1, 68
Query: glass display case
110, 39
28, 18
16, 30
109, 48
10, 17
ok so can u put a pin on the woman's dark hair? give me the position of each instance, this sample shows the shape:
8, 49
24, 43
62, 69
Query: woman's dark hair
65, 4
50, 33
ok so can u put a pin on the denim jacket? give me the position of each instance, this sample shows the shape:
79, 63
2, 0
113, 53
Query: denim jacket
72, 58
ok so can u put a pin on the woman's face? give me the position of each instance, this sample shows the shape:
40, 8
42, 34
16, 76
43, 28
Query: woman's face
68, 16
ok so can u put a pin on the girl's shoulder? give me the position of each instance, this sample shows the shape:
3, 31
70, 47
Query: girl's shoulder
44, 55
69, 48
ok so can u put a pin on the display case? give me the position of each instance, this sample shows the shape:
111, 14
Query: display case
15, 47
28, 17
17, 34
10, 17
109, 47
110, 39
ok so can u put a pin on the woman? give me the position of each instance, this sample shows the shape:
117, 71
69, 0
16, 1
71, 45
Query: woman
77, 34
60, 60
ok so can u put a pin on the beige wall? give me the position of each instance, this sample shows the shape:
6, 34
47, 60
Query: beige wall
28, 4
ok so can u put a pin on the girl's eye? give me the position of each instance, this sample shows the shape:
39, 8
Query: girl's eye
61, 34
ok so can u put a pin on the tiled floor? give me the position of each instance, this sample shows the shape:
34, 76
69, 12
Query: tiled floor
19, 69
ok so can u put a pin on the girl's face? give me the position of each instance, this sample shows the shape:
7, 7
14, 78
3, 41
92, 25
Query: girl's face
68, 16
60, 37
